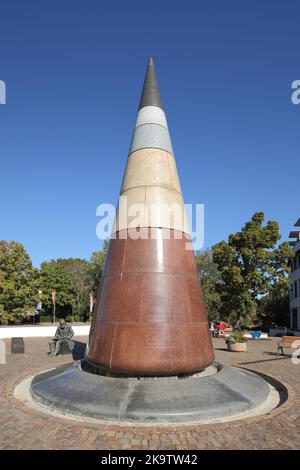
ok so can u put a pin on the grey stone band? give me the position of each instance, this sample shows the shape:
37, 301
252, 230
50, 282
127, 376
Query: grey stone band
151, 136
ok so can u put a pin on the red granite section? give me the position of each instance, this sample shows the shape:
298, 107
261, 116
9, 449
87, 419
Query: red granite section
150, 317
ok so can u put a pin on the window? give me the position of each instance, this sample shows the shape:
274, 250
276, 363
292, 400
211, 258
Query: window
294, 318
295, 289
297, 260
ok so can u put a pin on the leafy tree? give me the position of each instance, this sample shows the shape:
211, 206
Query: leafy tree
18, 282
210, 280
57, 275
252, 265
22, 286
5, 317
79, 272
96, 266
274, 308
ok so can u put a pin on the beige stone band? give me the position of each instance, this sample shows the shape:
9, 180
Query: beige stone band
151, 206
151, 167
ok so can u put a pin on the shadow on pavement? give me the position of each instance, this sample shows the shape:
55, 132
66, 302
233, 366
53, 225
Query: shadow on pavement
264, 360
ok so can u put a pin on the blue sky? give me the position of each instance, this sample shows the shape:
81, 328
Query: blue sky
74, 71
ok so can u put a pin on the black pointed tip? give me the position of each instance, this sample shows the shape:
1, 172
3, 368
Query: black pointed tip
150, 94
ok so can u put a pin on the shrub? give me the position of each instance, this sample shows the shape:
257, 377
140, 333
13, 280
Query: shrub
5, 317
44, 318
238, 337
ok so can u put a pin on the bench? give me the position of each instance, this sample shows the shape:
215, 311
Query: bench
225, 332
287, 342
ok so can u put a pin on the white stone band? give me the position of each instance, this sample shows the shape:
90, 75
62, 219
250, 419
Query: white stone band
151, 115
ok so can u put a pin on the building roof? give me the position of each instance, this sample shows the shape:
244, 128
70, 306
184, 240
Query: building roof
297, 224
294, 234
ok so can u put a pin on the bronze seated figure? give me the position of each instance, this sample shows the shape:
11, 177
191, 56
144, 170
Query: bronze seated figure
63, 335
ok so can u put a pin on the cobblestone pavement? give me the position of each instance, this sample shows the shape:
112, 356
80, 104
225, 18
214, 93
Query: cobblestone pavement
24, 428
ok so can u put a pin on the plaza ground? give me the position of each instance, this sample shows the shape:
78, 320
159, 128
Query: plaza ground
24, 428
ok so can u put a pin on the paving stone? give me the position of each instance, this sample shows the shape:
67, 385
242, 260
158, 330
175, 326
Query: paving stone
24, 428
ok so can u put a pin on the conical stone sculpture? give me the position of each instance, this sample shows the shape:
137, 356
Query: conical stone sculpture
150, 317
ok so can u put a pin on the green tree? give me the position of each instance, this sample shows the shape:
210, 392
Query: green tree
55, 275
5, 317
18, 282
252, 265
210, 280
96, 266
78, 270
274, 308
70, 278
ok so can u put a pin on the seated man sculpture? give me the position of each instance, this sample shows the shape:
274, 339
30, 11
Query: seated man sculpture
63, 335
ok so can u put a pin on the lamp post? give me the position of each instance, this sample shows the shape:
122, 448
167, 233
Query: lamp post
38, 305
91, 304
53, 303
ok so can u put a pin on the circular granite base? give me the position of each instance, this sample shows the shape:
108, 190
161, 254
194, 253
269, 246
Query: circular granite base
228, 392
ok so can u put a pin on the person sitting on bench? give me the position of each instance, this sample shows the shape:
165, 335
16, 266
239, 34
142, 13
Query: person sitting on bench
63, 335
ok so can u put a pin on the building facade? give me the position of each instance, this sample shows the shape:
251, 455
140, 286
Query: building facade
295, 278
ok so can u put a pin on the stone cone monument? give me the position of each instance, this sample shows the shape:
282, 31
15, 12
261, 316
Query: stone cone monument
149, 356
150, 317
